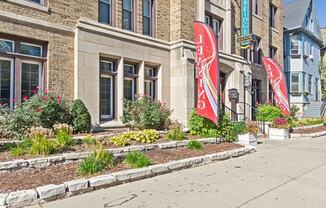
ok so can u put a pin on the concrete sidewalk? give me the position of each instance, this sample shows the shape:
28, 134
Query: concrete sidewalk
281, 174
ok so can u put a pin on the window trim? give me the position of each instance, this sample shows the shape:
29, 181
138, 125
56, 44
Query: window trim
41, 7
133, 90
297, 45
111, 12
297, 83
150, 17
108, 62
259, 14
272, 21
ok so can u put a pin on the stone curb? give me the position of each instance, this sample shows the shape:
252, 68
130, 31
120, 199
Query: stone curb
309, 136
52, 192
70, 157
308, 127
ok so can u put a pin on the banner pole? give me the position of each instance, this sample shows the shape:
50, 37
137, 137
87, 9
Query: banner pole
218, 82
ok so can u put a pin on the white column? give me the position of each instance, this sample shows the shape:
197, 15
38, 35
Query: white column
141, 79
119, 90
159, 87
227, 28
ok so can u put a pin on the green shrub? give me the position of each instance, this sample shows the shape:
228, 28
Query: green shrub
147, 136
201, 126
120, 140
146, 114
324, 123
240, 127
137, 160
205, 128
17, 151
195, 145
268, 113
90, 140
81, 119
42, 109
22, 148
41, 144
96, 162
176, 134
63, 135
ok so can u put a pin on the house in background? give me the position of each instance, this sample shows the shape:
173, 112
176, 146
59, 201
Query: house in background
302, 56
323, 62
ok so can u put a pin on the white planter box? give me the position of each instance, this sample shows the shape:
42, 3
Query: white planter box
267, 124
247, 139
279, 134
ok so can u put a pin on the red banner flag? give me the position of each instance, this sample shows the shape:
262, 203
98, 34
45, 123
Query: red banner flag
208, 72
278, 82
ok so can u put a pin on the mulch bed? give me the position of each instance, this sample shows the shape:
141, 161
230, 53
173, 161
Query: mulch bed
32, 178
6, 156
310, 130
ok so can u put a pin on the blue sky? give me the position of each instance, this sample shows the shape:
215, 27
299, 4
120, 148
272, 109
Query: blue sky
321, 7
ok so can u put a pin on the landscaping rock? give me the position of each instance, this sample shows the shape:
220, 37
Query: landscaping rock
21, 198
51, 191
208, 141
136, 148
116, 151
182, 143
39, 163
16, 164
103, 180
3, 199
56, 159
159, 169
167, 145
76, 185
151, 147
122, 176
71, 156
180, 164
140, 173
84, 155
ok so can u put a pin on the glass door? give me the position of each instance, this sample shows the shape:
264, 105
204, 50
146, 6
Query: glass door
6, 82
106, 97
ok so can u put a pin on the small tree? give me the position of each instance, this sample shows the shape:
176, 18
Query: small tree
81, 119
268, 112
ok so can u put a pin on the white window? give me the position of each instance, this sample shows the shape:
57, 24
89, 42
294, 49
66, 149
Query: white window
105, 9
295, 45
31, 77
37, 1
304, 82
106, 66
6, 82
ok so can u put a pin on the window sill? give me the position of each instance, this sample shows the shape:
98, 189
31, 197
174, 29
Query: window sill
258, 17
30, 4
274, 30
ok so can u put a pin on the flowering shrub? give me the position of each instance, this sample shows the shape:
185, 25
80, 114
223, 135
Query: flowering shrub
280, 123
268, 112
245, 128
146, 114
42, 109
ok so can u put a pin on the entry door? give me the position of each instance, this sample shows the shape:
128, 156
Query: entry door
6, 82
106, 97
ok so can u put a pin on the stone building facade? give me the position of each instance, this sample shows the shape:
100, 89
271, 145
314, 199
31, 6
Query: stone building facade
105, 51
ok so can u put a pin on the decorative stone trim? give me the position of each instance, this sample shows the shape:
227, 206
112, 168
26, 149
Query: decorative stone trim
308, 127
76, 156
309, 136
52, 192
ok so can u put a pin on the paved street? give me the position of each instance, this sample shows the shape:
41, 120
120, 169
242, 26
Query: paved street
281, 174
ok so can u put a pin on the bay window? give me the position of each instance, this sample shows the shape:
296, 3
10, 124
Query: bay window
295, 45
